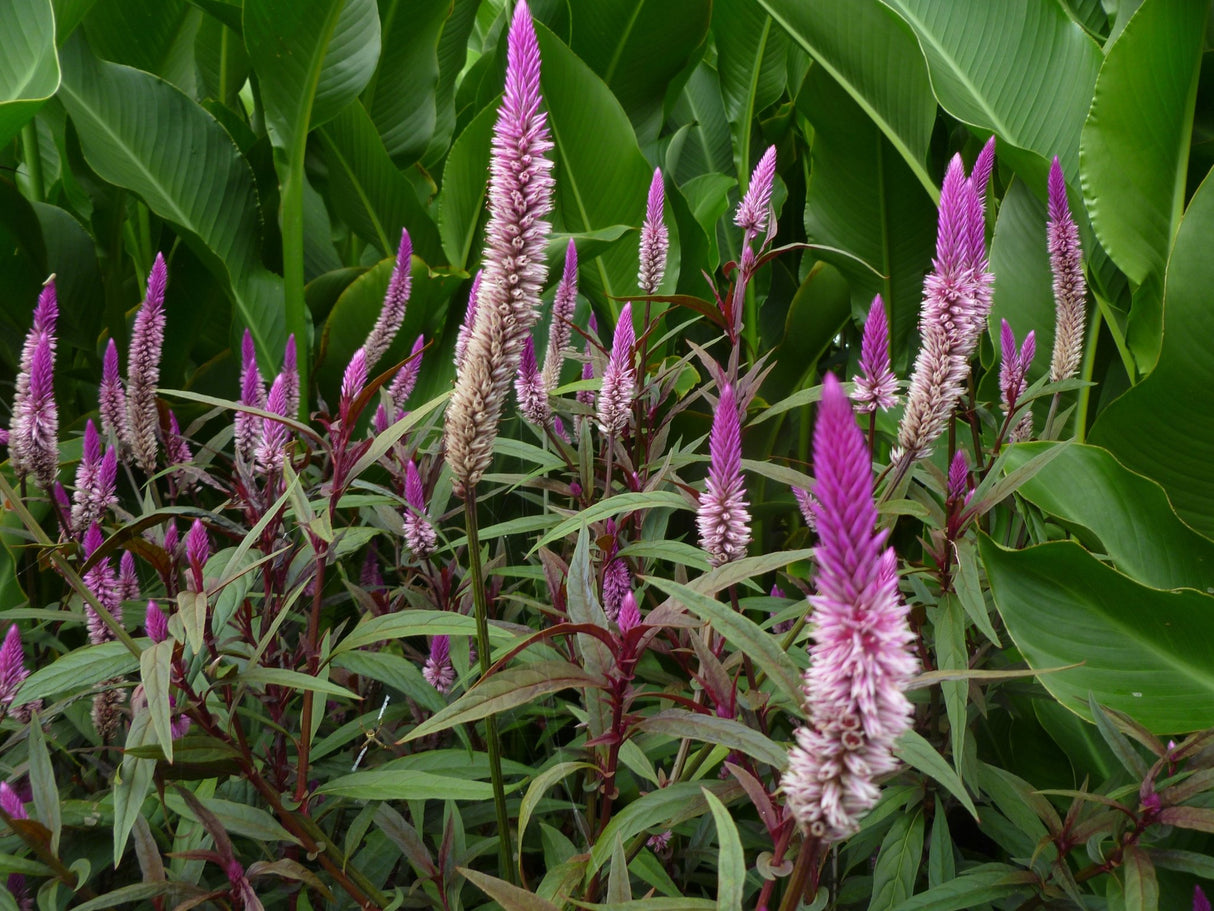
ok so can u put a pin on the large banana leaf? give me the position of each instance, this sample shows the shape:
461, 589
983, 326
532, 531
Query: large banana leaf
29, 67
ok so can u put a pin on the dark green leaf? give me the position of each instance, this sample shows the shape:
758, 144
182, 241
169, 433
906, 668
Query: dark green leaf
29, 66
898, 862
77, 670
406, 784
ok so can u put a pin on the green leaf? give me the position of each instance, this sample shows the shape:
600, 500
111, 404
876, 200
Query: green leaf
1021, 68
702, 147
752, 64
716, 731
192, 606
511, 898
874, 55
1134, 190
42, 782
141, 133
539, 786
312, 58
731, 863
132, 783
1130, 515
1143, 650
898, 862
281, 676
1141, 886
461, 200
155, 36
406, 784
613, 506
76, 671
863, 198
917, 753
983, 883
155, 665
236, 818
503, 691
29, 66
416, 622
1024, 293
583, 606
952, 654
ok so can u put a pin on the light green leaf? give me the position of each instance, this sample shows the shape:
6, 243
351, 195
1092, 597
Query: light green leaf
417, 623
76, 671
983, 883
539, 786
155, 665
29, 65
731, 862
42, 782
952, 654
406, 784
281, 676
132, 783
511, 898
917, 753
898, 862
716, 731
613, 506
752, 64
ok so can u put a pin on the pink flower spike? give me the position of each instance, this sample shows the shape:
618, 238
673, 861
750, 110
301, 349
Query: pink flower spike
12, 667
958, 476
380, 422
876, 386
808, 506
561, 328
530, 388
290, 379
176, 449
1200, 902
1070, 287
392, 314
252, 393
96, 477
128, 581
465, 329
354, 379
754, 211
630, 614
439, 672
420, 536
984, 166
619, 382
406, 378
111, 397
273, 433
10, 801
617, 582
143, 369
197, 551
156, 622
722, 519
34, 445
655, 240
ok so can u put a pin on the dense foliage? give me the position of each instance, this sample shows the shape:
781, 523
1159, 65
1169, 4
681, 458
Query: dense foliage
298, 614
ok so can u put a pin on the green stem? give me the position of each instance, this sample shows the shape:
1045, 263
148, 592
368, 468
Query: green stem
481, 607
802, 874
293, 261
33, 160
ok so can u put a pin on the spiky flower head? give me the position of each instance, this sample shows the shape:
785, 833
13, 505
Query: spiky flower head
103, 584
34, 431
143, 369
406, 378
176, 448
1200, 902
111, 397
806, 503
95, 481
11, 802
958, 476
754, 211
354, 379
1014, 366
860, 663
128, 581
630, 613
655, 239
876, 386
617, 582
619, 380
392, 313
465, 328
561, 328
156, 622
197, 552
1070, 288
722, 519
252, 393
530, 388
519, 196
273, 433
984, 165
290, 379
439, 672
420, 536
12, 669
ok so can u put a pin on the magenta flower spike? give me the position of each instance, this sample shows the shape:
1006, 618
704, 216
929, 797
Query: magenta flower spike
96, 478
630, 613
1014, 364
619, 381
519, 198
128, 580
420, 536
1070, 288
617, 582
465, 329
958, 476
379, 421
406, 378
12, 668
103, 583
143, 369
1200, 902
274, 433
561, 328
290, 379
754, 211
392, 313
112, 397
876, 386
530, 388
984, 166
176, 449
11, 802
807, 504
156, 622
722, 519
253, 394
655, 239
439, 672
860, 662
34, 441
354, 379
197, 552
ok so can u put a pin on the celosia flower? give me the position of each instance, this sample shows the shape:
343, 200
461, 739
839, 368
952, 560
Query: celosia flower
958, 476
1069, 286
439, 672
143, 369
12, 675
558, 427
34, 434
10, 801
290, 380
860, 663
619, 381
806, 503
420, 536
617, 582
156, 622
176, 449
561, 327
392, 313
655, 240
103, 583
112, 398
784, 625
530, 388
1015, 365
379, 421
465, 328
127, 587
197, 552
754, 211
1200, 902
630, 613
956, 302
406, 378
96, 479
353, 380
273, 433
252, 393
519, 196
876, 386
722, 518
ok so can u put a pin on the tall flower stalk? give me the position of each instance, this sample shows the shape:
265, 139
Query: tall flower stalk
1070, 288
34, 434
723, 520
143, 370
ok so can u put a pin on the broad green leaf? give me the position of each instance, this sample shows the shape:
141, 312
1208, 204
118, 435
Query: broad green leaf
539, 786
1129, 514
29, 66
1143, 650
416, 622
461, 200
1155, 428
1024, 293
236, 817
511, 898
148, 35
406, 784
142, 134
503, 691
1021, 68
898, 862
76, 671
401, 96
874, 55
702, 145
155, 664
716, 731
916, 752
638, 47
223, 63
752, 63
367, 190
731, 862
863, 199
983, 883
1134, 189
312, 58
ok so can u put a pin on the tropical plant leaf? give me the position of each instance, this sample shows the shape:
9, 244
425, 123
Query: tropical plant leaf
752, 63
29, 66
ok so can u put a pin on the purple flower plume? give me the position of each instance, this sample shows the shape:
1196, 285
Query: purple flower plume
112, 397
465, 328
156, 622
519, 196
10, 800
290, 379
619, 379
530, 388
958, 476
354, 379
876, 386
860, 663
392, 314
754, 211
1070, 289
722, 518
197, 552
655, 240
34, 432
808, 505
176, 447
561, 328
630, 613
617, 582
1200, 902
127, 587
143, 369
253, 393
1015, 364
103, 583
12, 672
420, 536
438, 671
406, 378
274, 433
